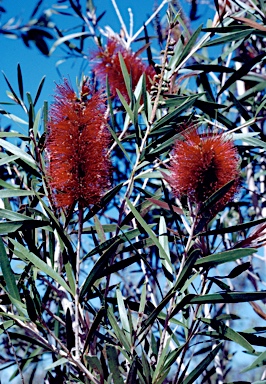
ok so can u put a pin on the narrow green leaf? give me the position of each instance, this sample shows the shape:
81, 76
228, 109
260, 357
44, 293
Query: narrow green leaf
224, 257
8, 159
210, 68
60, 362
18, 152
7, 272
163, 240
238, 270
20, 81
126, 106
187, 269
114, 364
227, 38
15, 193
66, 38
100, 264
15, 97
119, 333
6, 325
118, 142
195, 374
132, 374
228, 297
246, 67
40, 86
126, 75
170, 117
41, 265
189, 45
123, 314
228, 332
13, 226
258, 362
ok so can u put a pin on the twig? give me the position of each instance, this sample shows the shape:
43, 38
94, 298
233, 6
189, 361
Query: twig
76, 326
15, 356
150, 19
120, 19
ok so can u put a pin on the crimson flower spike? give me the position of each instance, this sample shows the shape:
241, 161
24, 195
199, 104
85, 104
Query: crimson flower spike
201, 165
77, 144
108, 65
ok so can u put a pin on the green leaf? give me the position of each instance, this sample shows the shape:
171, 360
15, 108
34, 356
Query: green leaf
188, 46
170, 117
238, 270
40, 86
195, 374
187, 269
15, 193
41, 265
210, 68
97, 269
8, 274
163, 240
228, 297
228, 332
66, 39
147, 229
123, 314
6, 325
13, 226
19, 152
60, 362
224, 257
258, 362
126, 75
246, 67
20, 81
155, 313
118, 331
126, 106
228, 37
114, 364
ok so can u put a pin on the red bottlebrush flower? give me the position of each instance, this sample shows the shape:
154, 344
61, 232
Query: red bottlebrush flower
109, 65
202, 164
77, 143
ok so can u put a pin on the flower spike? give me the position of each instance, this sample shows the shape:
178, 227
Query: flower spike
77, 144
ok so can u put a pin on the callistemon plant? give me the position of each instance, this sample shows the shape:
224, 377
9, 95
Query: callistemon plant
201, 165
77, 144
107, 64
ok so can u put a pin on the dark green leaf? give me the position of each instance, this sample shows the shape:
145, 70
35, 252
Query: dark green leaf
210, 68
238, 270
224, 257
191, 378
8, 274
114, 364
100, 264
20, 81
40, 86
229, 333
246, 67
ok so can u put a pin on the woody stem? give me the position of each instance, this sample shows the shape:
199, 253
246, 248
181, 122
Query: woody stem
76, 327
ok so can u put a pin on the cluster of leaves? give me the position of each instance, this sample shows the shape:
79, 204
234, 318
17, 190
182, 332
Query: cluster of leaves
160, 293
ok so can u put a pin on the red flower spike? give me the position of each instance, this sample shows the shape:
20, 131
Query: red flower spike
77, 143
109, 65
202, 164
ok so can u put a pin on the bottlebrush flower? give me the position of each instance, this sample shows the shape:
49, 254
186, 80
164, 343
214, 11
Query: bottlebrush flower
202, 164
77, 143
109, 65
